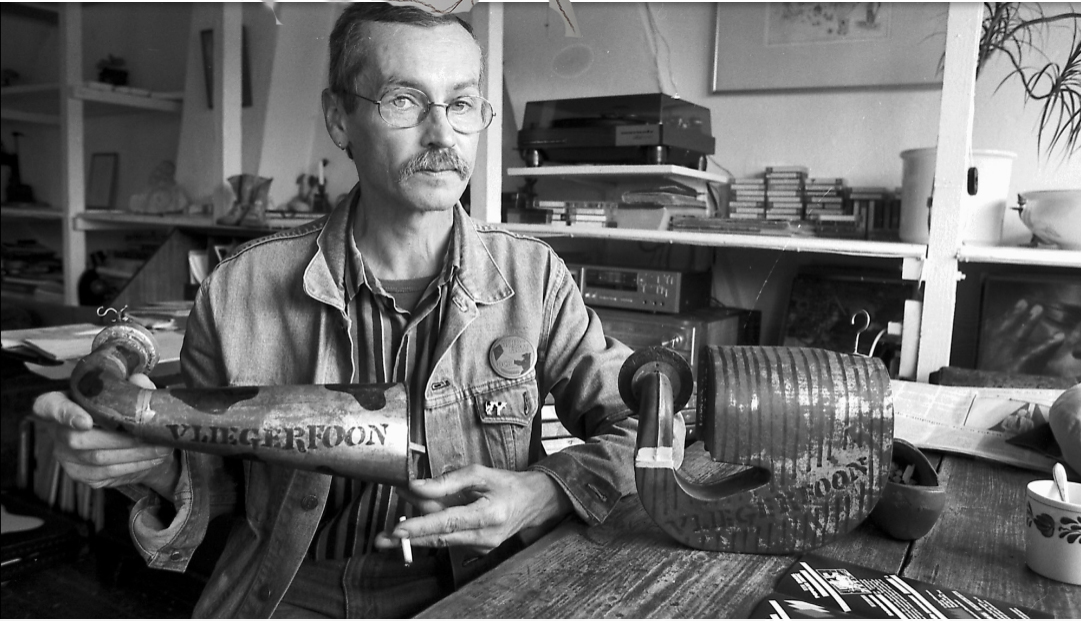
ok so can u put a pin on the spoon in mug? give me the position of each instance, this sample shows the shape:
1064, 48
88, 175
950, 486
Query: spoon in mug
1059, 473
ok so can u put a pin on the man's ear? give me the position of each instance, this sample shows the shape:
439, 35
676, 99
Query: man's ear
335, 117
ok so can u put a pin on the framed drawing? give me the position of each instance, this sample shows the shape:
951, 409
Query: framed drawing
813, 46
101, 181
1031, 325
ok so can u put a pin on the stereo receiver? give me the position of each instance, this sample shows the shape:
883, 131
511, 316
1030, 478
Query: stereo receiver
657, 291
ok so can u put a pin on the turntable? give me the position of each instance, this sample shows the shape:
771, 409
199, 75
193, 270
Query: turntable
651, 128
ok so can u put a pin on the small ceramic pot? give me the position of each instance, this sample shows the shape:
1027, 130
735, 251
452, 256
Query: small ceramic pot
1053, 531
908, 512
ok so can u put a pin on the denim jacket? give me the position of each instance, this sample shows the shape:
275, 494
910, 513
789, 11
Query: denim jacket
275, 313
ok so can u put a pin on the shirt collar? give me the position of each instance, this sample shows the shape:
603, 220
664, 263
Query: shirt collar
468, 260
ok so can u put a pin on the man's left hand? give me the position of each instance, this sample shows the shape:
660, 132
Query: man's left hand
478, 507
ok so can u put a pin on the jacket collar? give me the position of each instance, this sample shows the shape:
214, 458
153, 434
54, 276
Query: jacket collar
475, 269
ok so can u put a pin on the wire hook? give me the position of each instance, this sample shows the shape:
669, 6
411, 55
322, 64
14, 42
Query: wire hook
121, 315
859, 331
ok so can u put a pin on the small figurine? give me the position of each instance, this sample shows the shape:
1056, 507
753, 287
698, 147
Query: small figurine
302, 202
163, 195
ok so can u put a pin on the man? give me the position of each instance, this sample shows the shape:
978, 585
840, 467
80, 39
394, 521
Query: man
396, 285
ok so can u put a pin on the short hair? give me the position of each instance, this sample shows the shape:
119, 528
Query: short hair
347, 41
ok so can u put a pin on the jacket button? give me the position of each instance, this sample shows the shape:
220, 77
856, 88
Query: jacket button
264, 593
176, 556
310, 502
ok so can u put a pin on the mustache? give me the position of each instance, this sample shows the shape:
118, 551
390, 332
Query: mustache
435, 160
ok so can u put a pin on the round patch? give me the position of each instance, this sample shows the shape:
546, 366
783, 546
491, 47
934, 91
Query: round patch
512, 356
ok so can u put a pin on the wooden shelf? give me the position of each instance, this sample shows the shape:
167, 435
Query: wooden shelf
116, 102
616, 172
40, 103
1018, 255
9, 212
119, 220
31, 103
857, 247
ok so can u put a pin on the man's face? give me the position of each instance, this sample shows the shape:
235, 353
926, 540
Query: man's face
443, 62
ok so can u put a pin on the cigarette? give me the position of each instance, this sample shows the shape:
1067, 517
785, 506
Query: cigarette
407, 550
418, 448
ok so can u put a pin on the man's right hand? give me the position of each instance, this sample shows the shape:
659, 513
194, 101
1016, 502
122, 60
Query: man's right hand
103, 458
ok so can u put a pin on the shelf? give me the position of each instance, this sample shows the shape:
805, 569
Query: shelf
30, 213
1018, 255
26, 103
116, 102
857, 247
119, 220
40, 103
617, 172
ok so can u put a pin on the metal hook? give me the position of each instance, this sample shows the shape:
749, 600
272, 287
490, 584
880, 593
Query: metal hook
861, 330
121, 315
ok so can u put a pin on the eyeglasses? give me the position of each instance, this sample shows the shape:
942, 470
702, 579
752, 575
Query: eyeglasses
408, 107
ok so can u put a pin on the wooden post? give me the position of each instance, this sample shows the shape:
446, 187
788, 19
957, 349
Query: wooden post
487, 182
227, 97
940, 272
72, 168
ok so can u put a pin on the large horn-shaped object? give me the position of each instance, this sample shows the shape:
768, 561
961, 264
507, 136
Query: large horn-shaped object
358, 431
814, 429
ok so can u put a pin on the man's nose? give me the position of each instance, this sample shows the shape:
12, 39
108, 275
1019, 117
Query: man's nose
437, 128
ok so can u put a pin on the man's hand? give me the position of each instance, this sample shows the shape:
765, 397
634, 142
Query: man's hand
478, 507
103, 458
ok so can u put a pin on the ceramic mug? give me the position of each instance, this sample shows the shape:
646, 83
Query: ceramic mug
1053, 531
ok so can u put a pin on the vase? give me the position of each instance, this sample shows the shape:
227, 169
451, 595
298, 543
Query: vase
981, 215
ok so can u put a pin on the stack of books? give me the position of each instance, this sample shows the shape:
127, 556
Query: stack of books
31, 269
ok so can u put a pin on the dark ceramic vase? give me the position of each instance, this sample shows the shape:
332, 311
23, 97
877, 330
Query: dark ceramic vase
908, 512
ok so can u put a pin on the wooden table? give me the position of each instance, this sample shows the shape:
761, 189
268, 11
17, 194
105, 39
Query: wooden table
628, 567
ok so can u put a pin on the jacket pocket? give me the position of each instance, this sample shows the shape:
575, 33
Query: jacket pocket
506, 422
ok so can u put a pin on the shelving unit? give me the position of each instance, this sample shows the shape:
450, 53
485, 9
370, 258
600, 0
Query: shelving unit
70, 104
935, 265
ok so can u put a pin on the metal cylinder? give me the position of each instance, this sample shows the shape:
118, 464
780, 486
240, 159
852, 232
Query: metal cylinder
358, 431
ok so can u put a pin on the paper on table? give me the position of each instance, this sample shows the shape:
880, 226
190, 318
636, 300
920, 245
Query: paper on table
57, 342
168, 342
972, 421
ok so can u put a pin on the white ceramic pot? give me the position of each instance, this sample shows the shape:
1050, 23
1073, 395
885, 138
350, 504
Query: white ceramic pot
1054, 216
1053, 531
981, 215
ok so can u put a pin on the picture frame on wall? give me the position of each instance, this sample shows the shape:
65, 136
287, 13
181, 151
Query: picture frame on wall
1030, 324
816, 46
101, 181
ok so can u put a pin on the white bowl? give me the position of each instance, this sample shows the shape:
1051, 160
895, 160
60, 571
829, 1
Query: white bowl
1054, 216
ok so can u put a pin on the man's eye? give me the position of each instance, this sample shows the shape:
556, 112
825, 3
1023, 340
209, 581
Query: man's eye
402, 101
461, 106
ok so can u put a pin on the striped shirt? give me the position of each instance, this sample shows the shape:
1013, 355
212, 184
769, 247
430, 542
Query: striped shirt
394, 326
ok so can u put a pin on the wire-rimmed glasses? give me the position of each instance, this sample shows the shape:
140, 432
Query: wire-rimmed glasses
408, 107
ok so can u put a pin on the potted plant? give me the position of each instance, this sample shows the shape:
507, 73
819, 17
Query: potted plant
1049, 77
1020, 34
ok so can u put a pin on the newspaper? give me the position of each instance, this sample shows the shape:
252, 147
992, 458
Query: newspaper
973, 421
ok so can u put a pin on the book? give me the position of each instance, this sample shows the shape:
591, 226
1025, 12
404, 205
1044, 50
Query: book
819, 587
